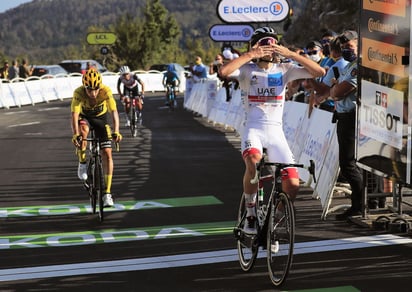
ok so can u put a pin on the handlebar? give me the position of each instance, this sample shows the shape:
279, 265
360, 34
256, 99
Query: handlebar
117, 144
262, 163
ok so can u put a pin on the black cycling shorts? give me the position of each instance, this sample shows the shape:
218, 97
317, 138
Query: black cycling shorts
101, 128
134, 91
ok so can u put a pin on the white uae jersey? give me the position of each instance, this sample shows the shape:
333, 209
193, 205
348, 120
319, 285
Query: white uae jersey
263, 90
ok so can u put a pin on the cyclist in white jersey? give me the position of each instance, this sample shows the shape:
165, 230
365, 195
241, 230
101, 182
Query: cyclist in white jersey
263, 82
130, 83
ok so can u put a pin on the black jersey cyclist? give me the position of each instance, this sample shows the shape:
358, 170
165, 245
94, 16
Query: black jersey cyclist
130, 83
171, 77
92, 105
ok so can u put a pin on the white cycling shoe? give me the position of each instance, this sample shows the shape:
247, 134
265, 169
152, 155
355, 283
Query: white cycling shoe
250, 226
82, 171
274, 247
108, 200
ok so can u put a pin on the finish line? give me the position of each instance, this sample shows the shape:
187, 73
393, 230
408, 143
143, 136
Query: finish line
192, 259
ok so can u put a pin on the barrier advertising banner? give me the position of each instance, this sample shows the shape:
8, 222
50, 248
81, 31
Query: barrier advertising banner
383, 144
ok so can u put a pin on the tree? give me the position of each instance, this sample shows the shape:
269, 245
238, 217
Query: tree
140, 44
126, 49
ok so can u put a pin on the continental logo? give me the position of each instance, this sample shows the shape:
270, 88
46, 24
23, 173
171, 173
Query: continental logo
383, 57
392, 7
375, 25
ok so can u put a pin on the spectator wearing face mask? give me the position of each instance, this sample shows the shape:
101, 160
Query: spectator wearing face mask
314, 51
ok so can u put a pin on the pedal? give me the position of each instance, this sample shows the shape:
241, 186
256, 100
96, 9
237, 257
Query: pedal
86, 185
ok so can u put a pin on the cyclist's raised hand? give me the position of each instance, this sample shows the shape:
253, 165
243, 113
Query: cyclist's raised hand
117, 137
77, 140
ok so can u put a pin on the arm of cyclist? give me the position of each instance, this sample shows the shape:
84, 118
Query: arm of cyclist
117, 137
142, 84
77, 138
119, 91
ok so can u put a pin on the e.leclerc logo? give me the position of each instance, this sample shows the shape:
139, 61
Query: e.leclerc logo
239, 11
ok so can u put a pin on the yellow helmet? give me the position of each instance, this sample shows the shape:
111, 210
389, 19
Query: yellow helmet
92, 79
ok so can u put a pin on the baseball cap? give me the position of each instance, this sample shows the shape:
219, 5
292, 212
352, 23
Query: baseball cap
313, 44
347, 36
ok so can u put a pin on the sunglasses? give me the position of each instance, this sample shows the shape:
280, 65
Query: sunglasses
92, 88
343, 39
267, 41
314, 52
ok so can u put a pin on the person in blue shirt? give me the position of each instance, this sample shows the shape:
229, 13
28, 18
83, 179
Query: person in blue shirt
322, 85
171, 77
199, 70
345, 94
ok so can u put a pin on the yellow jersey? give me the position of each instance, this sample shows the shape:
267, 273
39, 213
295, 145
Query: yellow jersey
104, 102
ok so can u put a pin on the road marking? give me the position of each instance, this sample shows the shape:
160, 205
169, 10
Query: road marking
331, 289
49, 109
115, 235
24, 124
191, 259
13, 113
71, 209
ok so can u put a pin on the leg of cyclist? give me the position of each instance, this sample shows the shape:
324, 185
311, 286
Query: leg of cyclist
108, 167
103, 132
280, 152
167, 94
175, 88
127, 105
252, 153
81, 153
138, 100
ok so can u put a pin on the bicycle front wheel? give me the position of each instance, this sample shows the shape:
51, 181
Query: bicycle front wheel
247, 246
91, 186
133, 122
280, 239
100, 188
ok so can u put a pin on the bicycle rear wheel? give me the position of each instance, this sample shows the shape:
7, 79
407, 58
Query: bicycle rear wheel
100, 188
280, 239
247, 246
171, 99
91, 186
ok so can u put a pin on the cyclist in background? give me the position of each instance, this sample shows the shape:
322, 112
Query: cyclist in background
171, 77
130, 83
92, 105
263, 81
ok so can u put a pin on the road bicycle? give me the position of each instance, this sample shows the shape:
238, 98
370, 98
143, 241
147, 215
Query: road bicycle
275, 222
171, 97
135, 115
95, 183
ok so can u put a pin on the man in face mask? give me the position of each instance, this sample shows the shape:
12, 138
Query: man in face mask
345, 93
314, 51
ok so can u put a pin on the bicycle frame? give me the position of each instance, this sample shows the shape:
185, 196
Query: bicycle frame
171, 98
275, 223
95, 183
134, 114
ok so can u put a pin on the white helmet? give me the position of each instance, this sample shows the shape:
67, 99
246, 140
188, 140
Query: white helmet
124, 70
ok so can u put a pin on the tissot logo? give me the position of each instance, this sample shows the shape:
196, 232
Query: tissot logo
253, 11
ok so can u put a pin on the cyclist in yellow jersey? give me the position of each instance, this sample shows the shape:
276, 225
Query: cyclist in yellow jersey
92, 105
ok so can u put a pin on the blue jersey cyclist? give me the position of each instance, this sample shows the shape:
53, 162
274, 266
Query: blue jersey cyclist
170, 77
263, 81
130, 83
92, 105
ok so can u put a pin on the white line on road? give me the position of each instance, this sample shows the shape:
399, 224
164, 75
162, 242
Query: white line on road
191, 259
25, 124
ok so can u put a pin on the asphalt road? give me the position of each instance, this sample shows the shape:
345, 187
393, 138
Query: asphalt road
176, 187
